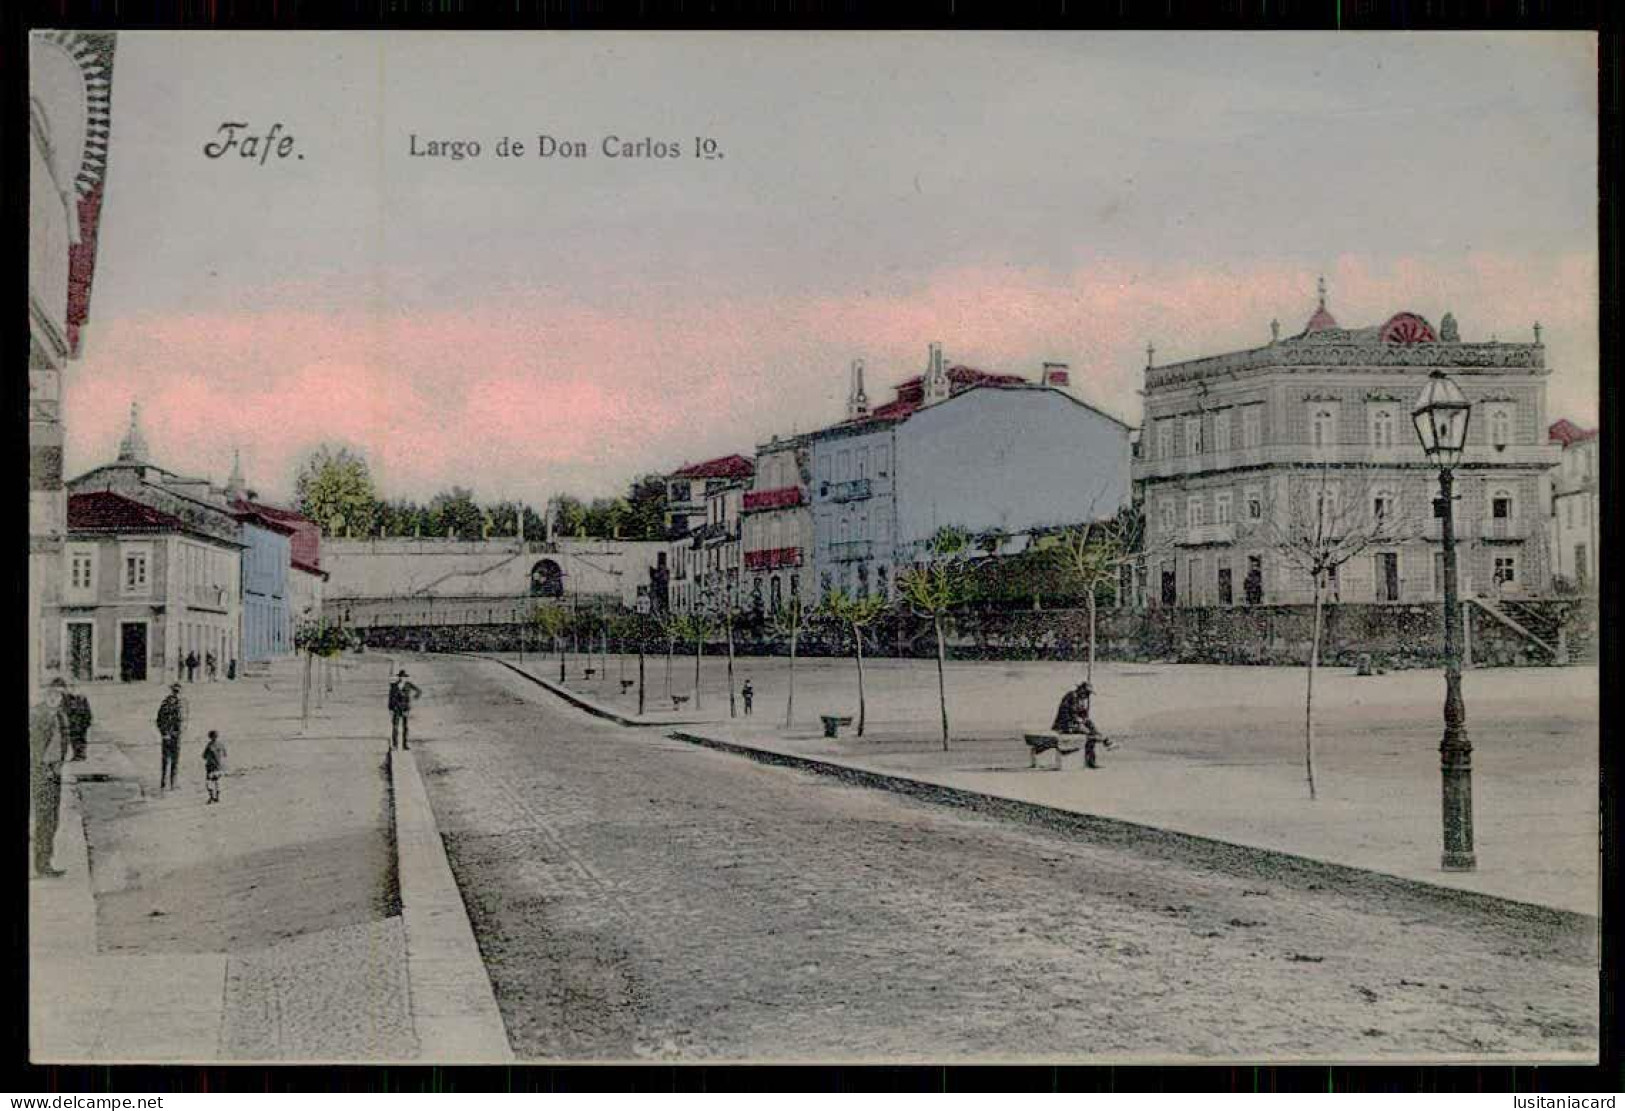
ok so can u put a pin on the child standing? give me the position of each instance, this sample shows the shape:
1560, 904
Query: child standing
214, 762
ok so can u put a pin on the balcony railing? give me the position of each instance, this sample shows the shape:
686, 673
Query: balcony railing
784, 497
848, 550
769, 559
855, 490
1433, 528
1209, 534
1504, 528
1408, 455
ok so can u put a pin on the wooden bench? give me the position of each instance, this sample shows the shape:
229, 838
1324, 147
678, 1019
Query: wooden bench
1050, 742
833, 723
677, 701
627, 685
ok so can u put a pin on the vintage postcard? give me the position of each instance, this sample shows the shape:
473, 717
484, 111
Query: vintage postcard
826, 548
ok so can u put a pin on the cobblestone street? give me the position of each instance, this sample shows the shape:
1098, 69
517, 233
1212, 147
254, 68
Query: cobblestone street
637, 897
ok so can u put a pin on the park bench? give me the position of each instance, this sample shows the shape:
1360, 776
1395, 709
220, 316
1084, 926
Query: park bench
833, 723
677, 701
627, 685
589, 672
1050, 742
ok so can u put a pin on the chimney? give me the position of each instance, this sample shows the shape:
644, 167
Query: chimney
857, 402
1057, 376
937, 386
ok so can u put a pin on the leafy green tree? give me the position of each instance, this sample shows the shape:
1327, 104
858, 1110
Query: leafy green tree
1092, 556
934, 589
334, 488
569, 516
456, 511
646, 509
852, 615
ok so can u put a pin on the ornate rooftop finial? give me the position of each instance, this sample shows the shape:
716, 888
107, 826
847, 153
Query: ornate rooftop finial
1448, 332
1537, 333
133, 448
1321, 287
1150, 353
1275, 331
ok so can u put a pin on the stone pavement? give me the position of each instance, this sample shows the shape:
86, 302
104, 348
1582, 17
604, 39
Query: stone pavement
266, 928
1217, 752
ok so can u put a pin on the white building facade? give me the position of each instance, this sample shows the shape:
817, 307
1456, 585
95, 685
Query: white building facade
1576, 514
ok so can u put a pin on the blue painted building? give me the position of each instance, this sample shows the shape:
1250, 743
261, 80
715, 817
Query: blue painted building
267, 554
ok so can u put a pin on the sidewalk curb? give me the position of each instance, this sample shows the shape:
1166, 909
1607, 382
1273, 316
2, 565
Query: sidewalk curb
1236, 859
581, 703
453, 1007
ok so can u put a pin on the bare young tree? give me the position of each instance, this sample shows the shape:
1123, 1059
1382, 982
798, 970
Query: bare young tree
852, 614
786, 623
934, 589
1327, 517
1093, 555
553, 622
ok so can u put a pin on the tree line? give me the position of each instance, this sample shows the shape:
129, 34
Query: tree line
335, 489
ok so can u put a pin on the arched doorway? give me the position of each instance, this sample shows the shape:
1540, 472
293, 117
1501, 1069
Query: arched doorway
547, 580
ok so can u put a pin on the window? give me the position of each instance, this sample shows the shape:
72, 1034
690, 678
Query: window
1193, 435
1221, 430
1170, 515
1500, 425
843, 466
1323, 505
1382, 506
862, 464
1506, 569
1221, 508
82, 570
823, 468
1254, 585
135, 571
1194, 511
1501, 505
1322, 426
1252, 426
1254, 498
880, 460
1226, 595
1165, 439
1382, 427
1568, 513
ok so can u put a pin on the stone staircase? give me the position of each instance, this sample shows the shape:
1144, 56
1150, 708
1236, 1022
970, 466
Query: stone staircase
1543, 627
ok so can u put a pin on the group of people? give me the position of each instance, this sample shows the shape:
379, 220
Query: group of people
172, 714
186, 667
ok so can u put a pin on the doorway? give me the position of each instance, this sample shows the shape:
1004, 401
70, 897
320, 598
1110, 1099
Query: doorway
1387, 576
132, 657
81, 650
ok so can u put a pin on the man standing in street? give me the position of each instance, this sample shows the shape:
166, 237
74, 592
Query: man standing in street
76, 712
47, 738
171, 724
401, 693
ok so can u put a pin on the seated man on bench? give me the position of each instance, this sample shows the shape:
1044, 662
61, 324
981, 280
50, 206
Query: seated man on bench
1072, 720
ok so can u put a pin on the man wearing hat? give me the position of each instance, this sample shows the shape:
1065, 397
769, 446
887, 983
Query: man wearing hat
401, 693
171, 724
1073, 717
48, 740
77, 713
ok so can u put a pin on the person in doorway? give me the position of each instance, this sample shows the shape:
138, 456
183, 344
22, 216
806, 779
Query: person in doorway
749, 694
47, 741
401, 693
171, 724
209, 667
76, 712
1072, 719
214, 763
231, 669
191, 667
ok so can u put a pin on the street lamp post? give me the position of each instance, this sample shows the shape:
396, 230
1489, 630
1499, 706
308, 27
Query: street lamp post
1441, 414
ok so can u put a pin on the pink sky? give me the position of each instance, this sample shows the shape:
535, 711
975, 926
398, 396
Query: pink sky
528, 396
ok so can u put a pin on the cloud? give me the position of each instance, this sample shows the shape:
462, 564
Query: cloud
529, 395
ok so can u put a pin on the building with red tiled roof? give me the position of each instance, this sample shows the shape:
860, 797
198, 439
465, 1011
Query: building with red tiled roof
986, 451
143, 587
703, 506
